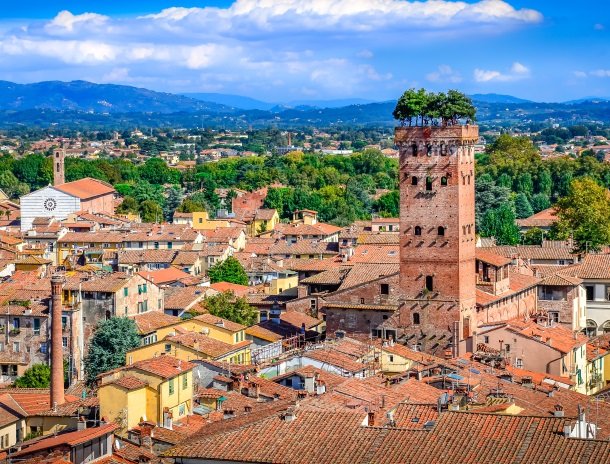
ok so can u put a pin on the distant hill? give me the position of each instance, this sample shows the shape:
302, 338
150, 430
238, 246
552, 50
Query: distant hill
235, 101
497, 98
102, 98
588, 100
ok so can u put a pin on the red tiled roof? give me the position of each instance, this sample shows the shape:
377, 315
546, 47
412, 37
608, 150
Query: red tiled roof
86, 188
164, 276
238, 290
220, 322
129, 382
71, 438
152, 320
163, 366
491, 258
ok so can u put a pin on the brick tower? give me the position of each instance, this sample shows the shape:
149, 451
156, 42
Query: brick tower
58, 166
437, 236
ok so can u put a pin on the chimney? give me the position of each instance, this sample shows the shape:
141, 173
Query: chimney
558, 411
57, 357
371, 421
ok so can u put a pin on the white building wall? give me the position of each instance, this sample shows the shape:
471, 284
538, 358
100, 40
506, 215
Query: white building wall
33, 206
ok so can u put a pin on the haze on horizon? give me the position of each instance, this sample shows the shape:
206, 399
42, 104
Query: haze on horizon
318, 49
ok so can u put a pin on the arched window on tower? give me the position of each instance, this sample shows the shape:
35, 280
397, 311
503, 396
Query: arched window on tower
414, 180
415, 318
443, 181
428, 183
429, 150
417, 230
429, 283
414, 149
441, 231
443, 149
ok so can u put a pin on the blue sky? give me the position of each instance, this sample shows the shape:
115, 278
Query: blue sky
314, 49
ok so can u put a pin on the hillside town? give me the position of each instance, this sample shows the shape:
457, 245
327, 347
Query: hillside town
246, 336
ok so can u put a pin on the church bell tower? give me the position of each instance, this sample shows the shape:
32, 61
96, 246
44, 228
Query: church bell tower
58, 166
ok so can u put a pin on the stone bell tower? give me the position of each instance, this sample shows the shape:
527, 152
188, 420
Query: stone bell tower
59, 156
437, 235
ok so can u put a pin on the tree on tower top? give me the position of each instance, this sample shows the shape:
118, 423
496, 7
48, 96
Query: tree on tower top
421, 108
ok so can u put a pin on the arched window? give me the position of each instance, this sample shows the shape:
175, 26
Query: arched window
605, 327
441, 231
429, 150
415, 318
417, 230
463, 180
414, 149
591, 329
429, 283
428, 183
443, 149
443, 181
414, 180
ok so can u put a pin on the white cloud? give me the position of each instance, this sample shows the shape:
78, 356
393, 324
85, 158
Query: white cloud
600, 73
319, 44
580, 74
444, 73
517, 71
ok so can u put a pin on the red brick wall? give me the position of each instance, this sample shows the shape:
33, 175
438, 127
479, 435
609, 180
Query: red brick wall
450, 258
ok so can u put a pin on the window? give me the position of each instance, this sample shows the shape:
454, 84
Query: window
590, 292
171, 386
170, 245
43, 347
361, 300
16, 347
414, 180
144, 288
441, 231
168, 347
185, 382
36, 326
391, 357
443, 149
313, 304
64, 342
156, 245
126, 310
443, 181
16, 323
519, 363
200, 220
414, 149
554, 316
429, 150
417, 230
428, 183
415, 318
181, 410
384, 289
507, 348
125, 291
429, 283
486, 339
160, 303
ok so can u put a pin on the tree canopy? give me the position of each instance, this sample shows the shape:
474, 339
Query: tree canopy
229, 270
109, 344
584, 214
227, 306
37, 376
418, 107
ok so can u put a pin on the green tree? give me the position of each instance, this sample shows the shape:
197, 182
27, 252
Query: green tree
539, 202
523, 208
37, 376
533, 236
388, 205
128, 205
150, 211
500, 223
173, 200
585, 214
229, 270
11, 185
108, 346
227, 306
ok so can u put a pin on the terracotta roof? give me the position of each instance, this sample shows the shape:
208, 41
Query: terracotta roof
362, 273
456, 437
71, 439
145, 256
30, 402
108, 283
258, 331
372, 254
378, 239
557, 336
163, 366
129, 382
164, 276
220, 322
304, 247
300, 229
206, 345
264, 214
591, 267
558, 280
336, 359
182, 298
86, 188
492, 258
544, 218
151, 321
238, 290
297, 319
518, 283
534, 252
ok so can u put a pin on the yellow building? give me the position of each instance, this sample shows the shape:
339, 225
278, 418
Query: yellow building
202, 221
154, 326
284, 280
158, 390
264, 220
189, 346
